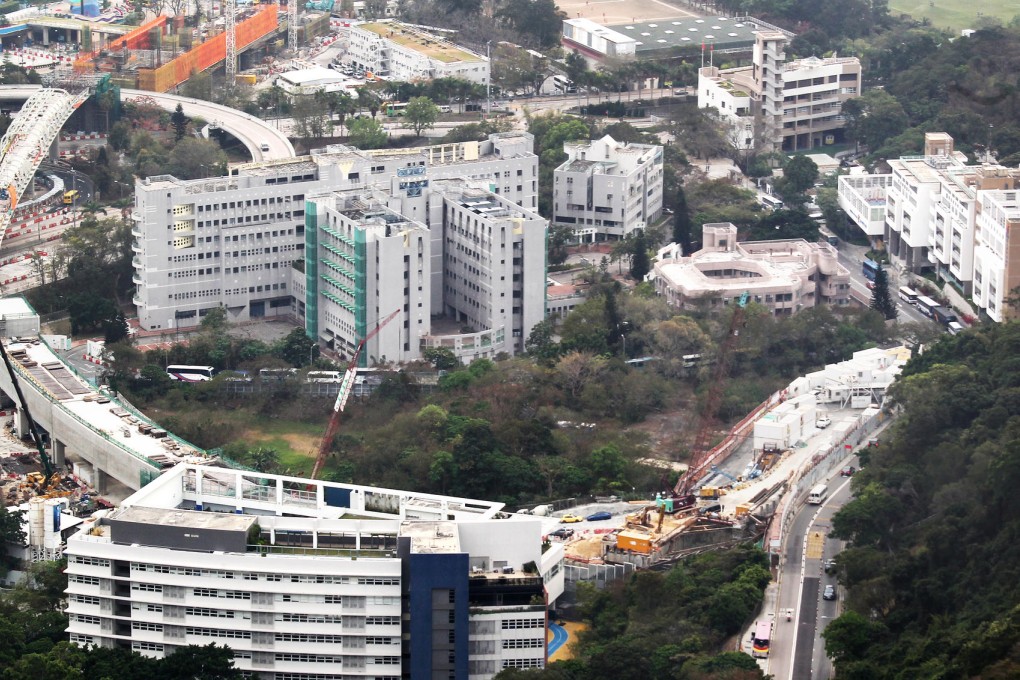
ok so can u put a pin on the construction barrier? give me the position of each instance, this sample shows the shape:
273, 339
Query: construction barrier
208, 53
136, 39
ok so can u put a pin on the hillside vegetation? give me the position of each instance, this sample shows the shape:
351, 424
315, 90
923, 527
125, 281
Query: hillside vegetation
934, 562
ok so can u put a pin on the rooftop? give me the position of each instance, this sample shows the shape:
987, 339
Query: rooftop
218, 521
690, 33
431, 537
424, 43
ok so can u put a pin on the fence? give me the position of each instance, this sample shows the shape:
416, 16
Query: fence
598, 574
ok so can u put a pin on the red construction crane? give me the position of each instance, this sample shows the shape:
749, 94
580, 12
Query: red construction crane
346, 387
700, 449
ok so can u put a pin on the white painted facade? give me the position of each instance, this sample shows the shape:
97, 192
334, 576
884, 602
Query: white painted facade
310, 591
402, 52
230, 241
607, 189
862, 198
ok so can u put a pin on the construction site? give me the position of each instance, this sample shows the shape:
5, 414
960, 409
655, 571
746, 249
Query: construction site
742, 489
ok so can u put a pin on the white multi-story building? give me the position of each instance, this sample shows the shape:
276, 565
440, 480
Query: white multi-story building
862, 197
997, 251
399, 51
310, 579
785, 276
935, 217
476, 273
790, 105
231, 241
607, 189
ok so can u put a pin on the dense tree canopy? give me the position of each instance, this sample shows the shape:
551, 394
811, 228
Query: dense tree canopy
932, 565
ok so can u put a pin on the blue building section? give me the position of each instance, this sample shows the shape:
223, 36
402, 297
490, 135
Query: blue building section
437, 584
88, 8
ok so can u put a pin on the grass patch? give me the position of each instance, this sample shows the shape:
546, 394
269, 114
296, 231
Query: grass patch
955, 14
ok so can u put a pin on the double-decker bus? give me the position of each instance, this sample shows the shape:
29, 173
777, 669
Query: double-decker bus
190, 373
870, 269
762, 640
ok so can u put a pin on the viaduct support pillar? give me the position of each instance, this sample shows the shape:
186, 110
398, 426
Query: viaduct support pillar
59, 454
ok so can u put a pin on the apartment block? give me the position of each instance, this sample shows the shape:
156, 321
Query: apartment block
943, 215
774, 103
310, 579
399, 51
783, 275
231, 241
607, 189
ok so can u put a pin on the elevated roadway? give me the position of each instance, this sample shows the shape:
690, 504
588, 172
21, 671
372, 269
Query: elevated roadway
80, 421
249, 130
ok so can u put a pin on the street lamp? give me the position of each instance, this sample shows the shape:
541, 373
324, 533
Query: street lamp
311, 353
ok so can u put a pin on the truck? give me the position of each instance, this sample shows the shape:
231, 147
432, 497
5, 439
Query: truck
943, 315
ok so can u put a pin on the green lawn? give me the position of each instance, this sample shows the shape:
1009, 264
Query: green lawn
955, 14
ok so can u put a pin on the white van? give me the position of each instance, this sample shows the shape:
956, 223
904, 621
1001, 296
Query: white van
955, 327
264, 146
445, 108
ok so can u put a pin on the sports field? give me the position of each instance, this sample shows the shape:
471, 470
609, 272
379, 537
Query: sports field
609, 12
955, 14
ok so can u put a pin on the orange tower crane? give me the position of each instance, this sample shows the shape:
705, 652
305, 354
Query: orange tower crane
346, 387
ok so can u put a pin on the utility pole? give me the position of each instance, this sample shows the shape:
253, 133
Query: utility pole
488, 80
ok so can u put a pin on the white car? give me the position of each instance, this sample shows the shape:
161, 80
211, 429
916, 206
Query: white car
823, 422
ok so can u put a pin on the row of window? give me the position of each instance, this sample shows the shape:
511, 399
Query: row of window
254, 219
250, 204
514, 624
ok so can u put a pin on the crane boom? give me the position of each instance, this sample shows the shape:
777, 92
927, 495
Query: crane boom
700, 449
346, 387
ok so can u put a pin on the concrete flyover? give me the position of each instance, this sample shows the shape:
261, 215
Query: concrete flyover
249, 130
91, 426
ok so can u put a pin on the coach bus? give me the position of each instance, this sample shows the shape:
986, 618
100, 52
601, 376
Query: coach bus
909, 295
190, 373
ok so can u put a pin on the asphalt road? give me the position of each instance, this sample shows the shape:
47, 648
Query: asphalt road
798, 650
852, 260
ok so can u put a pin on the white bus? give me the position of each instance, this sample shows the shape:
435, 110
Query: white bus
770, 202
564, 85
925, 305
909, 295
818, 494
190, 373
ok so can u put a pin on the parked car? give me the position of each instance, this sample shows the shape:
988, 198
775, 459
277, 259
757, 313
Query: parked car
823, 422
829, 593
570, 519
848, 471
562, 533
598, 516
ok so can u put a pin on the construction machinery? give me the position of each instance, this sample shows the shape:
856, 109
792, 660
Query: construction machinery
44, 484
681, 494
346, 387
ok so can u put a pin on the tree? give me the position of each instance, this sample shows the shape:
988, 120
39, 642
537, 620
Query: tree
11, 533
683, 226
873, 118
442, 358
799, 175
367, 133
881, 297
640, 263
421, 114
541, 345
179, 122
193, 158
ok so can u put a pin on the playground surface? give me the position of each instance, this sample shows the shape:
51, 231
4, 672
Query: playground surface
610, 12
